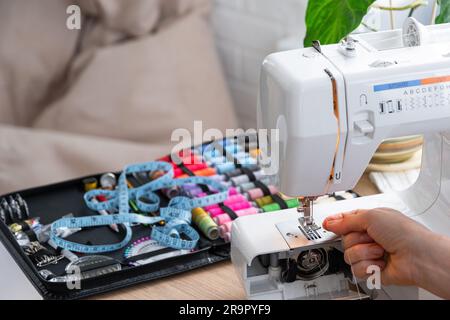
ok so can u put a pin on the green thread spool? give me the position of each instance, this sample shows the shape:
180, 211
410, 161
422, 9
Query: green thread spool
134, 206
262, 202
205, 223
291, 203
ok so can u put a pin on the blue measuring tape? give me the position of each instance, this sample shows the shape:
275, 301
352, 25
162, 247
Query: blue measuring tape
177, 215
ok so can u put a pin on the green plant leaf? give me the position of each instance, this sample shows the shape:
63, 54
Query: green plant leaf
331, 20
444, 16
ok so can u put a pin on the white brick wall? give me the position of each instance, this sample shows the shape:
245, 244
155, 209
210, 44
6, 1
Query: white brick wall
246, 32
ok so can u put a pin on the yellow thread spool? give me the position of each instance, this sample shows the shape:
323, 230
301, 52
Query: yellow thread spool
205, 223
90, 184
261, 202
255, 153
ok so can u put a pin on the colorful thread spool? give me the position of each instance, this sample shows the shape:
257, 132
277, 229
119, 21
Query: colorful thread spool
187, 159
215, 152
234, 206
291, 203
225, 228
258, 193
264, 201
236, 181
251, 185
239, 205
205, 223
232, 191
251, 145
241, 156
229, 201
223, 142
171, 192
198, 192
234, 199
201, 173
219, 177
225, 218
90, 184
108, 181
255, 153
155, 175
192, 167
227, 237
238, 172
226, 167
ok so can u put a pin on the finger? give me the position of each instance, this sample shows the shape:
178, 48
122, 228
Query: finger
361, 252
364, 269
355, 238
344, 223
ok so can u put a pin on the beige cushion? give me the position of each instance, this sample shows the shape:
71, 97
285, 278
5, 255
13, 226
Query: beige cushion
142, 90
111, 21
171, 9
35, 49
135, 18
30, 157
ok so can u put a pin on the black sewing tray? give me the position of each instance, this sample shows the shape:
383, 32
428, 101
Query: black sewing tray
54, 201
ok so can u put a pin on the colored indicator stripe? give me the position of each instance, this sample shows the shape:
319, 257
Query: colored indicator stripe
412, 83
436, 80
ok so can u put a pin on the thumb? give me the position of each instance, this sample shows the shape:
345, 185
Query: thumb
344, 223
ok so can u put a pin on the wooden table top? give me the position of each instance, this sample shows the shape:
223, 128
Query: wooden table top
216, 282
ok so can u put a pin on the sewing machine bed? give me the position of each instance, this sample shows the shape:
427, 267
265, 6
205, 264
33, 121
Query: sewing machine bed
53, 202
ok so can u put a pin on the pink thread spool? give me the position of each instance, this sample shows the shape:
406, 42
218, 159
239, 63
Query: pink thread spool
232, 200
235, 199
227, 237
240, 206
214, 212
212, 206
225, 218
235, 207
257, 193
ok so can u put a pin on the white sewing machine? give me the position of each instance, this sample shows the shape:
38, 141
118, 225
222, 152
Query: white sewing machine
333, 105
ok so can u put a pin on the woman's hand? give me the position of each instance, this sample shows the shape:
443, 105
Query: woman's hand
382, 237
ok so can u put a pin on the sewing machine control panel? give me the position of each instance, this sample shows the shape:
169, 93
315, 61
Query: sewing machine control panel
379, 104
